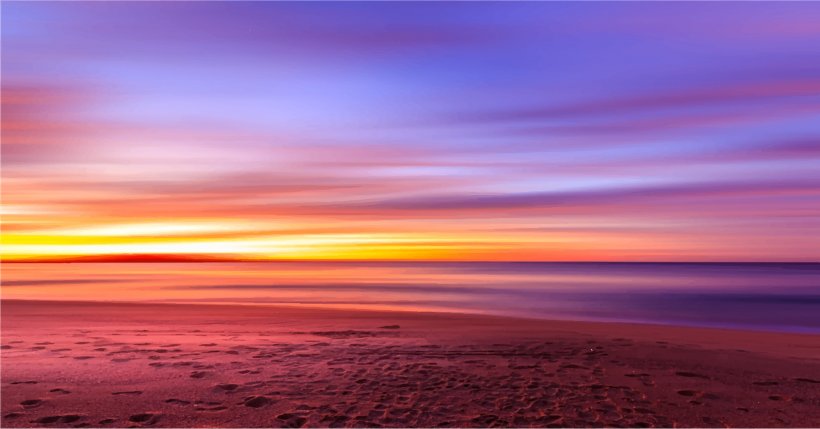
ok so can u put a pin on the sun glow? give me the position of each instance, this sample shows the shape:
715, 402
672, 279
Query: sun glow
134, 240
235, 240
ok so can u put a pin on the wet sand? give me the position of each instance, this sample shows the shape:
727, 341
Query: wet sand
74, 364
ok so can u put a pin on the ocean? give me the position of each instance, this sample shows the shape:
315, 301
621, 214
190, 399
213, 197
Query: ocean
754, 296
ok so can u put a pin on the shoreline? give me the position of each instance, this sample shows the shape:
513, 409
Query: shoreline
755, 340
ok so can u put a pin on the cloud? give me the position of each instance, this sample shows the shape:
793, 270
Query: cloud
38, 124
60, 282
605, 197
651, 114
742, 93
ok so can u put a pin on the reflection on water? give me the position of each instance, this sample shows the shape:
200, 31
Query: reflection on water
757, 296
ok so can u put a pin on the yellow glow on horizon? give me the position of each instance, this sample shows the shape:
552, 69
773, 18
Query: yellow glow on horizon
304, 238
19, 246
128, 239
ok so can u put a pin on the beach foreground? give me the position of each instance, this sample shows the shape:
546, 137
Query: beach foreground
87, 364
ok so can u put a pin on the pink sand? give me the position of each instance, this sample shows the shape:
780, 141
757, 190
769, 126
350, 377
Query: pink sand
75, 364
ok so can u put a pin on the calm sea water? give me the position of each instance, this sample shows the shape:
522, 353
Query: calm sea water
779, 297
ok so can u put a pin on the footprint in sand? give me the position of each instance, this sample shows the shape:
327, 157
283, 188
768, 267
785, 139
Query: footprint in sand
711, 421
47, 420
216, 408
227, 387
292, 420
335, 420
67, 418
70, 418
144, 418
572, 366
128, 392
690, 374
31, 403
257, 401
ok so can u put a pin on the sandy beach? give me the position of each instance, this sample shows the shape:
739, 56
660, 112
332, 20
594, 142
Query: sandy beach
84, 364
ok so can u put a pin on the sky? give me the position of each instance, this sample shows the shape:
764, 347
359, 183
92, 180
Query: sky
423, 131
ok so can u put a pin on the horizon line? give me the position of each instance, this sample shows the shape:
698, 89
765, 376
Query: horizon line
137, 258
